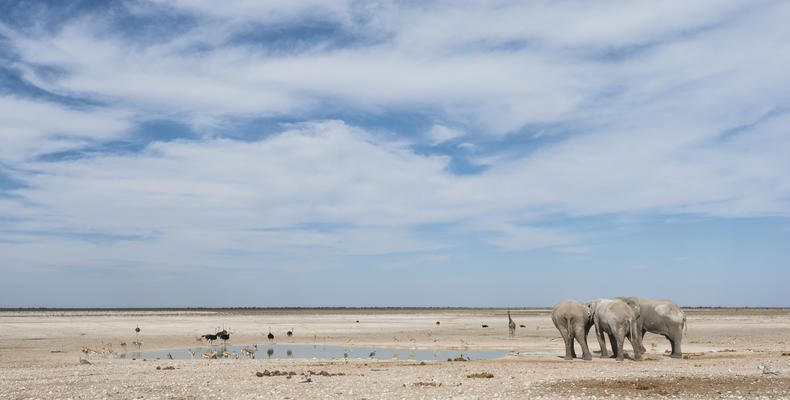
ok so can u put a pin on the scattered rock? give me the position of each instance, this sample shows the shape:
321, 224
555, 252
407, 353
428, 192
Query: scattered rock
324, 373
165, 368
84, 361
266, 372
423, 384
486, 375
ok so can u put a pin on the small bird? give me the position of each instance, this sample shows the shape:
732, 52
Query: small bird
372, 354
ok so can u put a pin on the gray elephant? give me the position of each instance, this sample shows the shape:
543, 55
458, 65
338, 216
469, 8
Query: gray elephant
615, 318
662, 317
573, 320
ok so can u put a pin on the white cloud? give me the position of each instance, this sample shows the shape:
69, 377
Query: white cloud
440, 134
646, 89
31, 128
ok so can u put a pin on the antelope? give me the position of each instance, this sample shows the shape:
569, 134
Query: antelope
209, 354
191, 353
227, 354
249, 351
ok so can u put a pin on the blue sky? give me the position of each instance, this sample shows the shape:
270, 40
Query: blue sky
282, 153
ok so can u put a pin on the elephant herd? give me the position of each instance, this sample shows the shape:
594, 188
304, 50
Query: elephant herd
618, 318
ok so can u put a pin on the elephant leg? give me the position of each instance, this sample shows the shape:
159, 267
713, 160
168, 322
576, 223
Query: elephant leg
570, 340
642, 339
568, 345
601, 342
613, 342
619, 340
581, 337
675, 338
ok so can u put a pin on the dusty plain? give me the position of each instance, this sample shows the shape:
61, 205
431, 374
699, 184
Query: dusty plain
728, 353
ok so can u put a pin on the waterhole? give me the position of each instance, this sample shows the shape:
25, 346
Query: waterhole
285, 351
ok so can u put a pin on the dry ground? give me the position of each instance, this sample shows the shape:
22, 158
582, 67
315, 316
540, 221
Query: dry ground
727, 352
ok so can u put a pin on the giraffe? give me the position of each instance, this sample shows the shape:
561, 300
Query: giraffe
511, 325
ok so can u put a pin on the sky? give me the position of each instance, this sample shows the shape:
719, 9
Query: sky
393, 153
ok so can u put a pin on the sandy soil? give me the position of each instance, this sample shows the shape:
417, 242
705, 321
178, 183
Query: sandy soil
727, 351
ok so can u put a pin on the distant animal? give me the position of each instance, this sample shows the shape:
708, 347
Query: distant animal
249, 351
511, 326
210, 337
522, 326
270, 335
437, 322
137, 329
209, 354
485, 326
224, 335
372, 354
169, 356
357, 321
191, 353
290, 333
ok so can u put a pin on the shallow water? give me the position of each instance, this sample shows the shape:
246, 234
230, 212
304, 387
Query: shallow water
285, 351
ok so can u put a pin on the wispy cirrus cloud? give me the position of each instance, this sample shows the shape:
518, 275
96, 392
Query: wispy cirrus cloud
318, 134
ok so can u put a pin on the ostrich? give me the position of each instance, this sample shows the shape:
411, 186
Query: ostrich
511, 325
210, 337
224, 335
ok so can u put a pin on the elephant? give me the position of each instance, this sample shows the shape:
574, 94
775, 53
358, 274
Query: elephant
573, 319
662, 317
615, 318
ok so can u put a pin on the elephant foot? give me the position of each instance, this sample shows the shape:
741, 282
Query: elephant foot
678, 355
568, 358
604, 355
588, 357
642, 349
620, 358
638, 358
